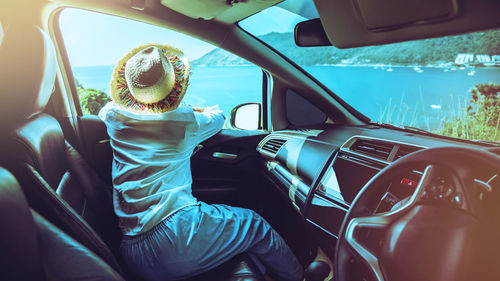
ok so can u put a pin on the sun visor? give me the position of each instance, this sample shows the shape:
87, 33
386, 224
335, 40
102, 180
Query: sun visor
228, 11
387, 14
354, 23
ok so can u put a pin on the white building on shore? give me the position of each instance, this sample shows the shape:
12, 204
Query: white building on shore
477, 59
463, 59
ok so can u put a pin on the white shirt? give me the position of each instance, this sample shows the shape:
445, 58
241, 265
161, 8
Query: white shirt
151, 161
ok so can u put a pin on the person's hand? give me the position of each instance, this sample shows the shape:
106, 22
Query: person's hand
214, 108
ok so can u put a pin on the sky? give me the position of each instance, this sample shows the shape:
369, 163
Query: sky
274, 19
96, 39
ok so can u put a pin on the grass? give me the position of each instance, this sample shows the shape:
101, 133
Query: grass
480, 124
403, 113
474, 117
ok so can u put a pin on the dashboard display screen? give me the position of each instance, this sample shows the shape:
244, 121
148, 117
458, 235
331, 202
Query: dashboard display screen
330, 184
352, 176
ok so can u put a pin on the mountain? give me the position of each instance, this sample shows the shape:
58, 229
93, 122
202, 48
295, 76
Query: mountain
421, 52
220, 57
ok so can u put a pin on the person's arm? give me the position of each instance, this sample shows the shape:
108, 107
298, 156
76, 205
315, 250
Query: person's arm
210, 121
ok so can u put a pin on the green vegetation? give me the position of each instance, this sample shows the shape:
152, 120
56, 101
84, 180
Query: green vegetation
402, 113
480, 118
422, 52
91, 100
476, 117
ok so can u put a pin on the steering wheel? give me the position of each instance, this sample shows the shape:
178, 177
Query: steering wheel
448, 229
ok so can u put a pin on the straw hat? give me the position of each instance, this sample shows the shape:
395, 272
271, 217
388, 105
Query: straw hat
151, 78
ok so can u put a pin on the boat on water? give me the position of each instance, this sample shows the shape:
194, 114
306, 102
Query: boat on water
418, 69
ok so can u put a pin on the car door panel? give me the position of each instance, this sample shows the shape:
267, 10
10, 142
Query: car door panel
226, 169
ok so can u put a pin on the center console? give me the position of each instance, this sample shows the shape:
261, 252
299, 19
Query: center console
353, 165
321, 180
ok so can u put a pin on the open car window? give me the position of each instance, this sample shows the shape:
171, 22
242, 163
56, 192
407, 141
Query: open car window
95, 42
446, 85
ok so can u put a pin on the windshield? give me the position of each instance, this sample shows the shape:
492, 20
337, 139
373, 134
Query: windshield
446, 85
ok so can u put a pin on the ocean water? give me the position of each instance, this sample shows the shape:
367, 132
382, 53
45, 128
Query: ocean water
225, 86
413, 96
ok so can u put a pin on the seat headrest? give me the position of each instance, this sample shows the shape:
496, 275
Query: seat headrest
27, 73
18, 239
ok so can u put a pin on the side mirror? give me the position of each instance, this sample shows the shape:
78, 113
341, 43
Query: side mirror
247, 116
310, 33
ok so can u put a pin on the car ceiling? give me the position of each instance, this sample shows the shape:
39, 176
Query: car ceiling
222, 11
348, 23
228, 11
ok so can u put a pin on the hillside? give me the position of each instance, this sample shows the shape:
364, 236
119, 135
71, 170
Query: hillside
423, 52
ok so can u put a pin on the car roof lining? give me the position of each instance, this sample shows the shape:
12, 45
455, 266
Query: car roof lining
226, 11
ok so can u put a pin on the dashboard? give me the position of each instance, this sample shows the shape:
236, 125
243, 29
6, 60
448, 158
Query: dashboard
321, 171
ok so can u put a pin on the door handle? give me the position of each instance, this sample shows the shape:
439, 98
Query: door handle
222, 155
197, 149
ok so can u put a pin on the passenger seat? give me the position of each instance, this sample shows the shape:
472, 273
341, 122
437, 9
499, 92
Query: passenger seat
34, 249
34, 149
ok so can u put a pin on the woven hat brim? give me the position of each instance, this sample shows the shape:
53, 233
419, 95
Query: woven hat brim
120, 93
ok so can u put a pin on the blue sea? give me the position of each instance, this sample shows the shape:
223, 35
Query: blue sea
419, 96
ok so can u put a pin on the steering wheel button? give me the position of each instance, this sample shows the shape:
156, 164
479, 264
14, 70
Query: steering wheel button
458, 199
449, 191
425, 195
409, 183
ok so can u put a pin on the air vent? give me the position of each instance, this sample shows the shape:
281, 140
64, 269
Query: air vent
272, 145
373, 148
405, 150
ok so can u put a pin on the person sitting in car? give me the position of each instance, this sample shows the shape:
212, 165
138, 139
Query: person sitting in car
168, 233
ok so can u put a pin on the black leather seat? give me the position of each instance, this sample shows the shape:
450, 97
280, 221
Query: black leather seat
34, 249
58, 183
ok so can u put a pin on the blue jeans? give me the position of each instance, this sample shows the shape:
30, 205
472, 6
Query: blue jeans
200, 237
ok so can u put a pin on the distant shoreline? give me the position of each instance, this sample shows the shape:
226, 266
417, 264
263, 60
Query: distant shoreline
399, 65
364, 65
335, 64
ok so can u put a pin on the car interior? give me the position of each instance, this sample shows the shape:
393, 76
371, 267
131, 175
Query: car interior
373, 201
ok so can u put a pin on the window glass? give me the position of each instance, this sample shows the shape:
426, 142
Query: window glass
446, 85
95, 42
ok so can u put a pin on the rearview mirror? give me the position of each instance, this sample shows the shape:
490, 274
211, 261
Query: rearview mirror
247, 116
310, 33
